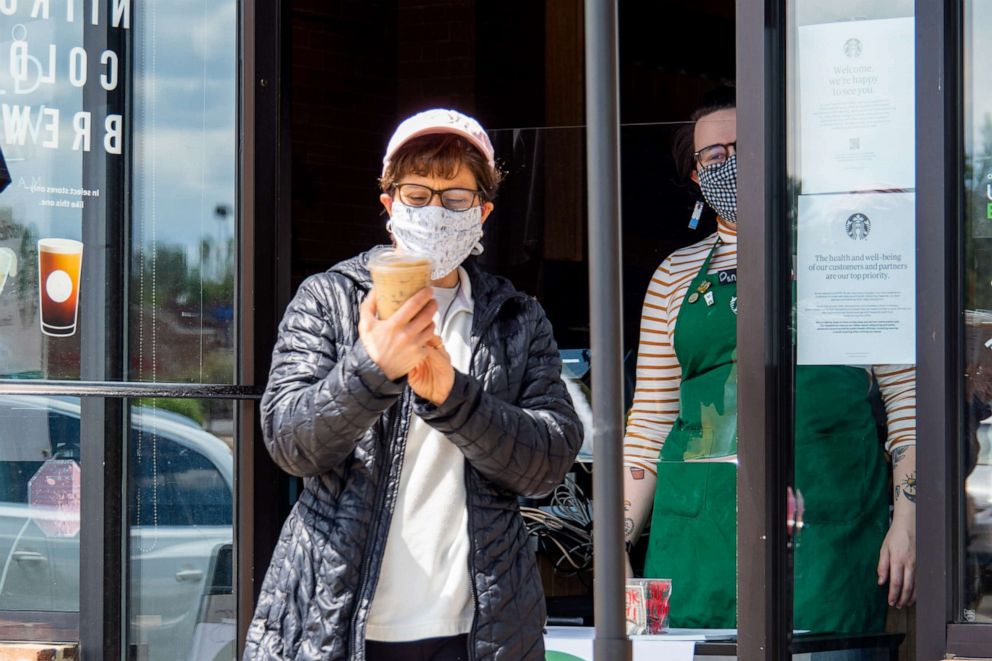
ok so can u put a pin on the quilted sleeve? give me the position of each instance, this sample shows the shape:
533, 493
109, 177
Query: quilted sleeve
525, 447
317, 405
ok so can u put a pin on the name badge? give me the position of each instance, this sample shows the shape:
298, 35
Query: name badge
727, 277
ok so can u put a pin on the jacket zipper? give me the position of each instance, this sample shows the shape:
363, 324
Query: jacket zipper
359, 641
479, 333
363, 583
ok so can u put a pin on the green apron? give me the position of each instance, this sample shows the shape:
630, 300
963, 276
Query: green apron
840, 470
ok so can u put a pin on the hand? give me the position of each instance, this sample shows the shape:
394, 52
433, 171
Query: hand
399, 343
897, 562
434, 377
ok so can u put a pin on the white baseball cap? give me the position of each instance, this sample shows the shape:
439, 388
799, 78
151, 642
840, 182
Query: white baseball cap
440, 120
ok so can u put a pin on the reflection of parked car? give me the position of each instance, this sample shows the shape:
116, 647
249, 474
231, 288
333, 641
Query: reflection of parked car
978, 490
180, 512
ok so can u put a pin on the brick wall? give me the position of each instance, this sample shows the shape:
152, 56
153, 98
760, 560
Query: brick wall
436, 55
357, 68
343, 95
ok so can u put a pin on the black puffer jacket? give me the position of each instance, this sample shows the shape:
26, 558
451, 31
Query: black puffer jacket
330, 415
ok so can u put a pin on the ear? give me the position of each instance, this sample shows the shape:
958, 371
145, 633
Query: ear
387, 203
694, 176
487, 208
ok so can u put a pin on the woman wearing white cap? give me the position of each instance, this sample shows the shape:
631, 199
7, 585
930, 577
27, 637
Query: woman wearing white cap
416, 434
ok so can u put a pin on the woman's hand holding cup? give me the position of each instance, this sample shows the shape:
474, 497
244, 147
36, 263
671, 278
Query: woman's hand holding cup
401, 342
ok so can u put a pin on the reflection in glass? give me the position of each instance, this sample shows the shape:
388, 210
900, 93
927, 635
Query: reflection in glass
43, 109
181, 507
851, 178
184, 186
975, 572
40, 483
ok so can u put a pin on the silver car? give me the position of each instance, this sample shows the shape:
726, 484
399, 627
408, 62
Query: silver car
180, 511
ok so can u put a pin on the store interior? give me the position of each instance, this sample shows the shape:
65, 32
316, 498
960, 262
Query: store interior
357, 69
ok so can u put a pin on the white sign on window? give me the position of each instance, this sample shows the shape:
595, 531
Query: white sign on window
856, 105
856, 279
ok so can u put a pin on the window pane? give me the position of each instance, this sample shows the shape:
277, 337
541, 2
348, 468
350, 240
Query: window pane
975, 573
66, 134
180, 516
40, 484
56, 124
680, 446
184, 189
851, 151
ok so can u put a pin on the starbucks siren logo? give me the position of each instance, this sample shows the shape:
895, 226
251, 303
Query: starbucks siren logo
852, 48
858, 227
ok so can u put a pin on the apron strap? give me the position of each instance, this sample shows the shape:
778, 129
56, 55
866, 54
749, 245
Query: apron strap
705, 268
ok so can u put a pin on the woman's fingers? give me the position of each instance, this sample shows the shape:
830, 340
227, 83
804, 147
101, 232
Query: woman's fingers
902, 580
424, 318
895, 586
368, 310
883, 565
908, 585
426, 338
414, 305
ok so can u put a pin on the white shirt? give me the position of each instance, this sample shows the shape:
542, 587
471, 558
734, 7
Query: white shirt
424, 589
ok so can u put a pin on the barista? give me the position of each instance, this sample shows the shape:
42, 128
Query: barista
681, 440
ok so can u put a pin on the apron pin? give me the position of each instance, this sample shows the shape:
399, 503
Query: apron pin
693, 297
708, 297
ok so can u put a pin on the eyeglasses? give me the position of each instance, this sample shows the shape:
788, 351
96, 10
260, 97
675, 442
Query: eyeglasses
715, 154
453, 199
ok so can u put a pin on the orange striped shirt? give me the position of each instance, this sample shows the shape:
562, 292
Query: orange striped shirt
659, 376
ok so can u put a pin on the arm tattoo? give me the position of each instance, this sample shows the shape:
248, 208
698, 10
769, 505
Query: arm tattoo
628, 523
899, 454
909, 487
637, 473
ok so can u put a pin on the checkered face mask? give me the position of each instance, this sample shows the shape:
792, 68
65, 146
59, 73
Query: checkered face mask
719, 186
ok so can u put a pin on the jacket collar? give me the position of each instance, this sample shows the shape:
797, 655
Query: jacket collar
463, 297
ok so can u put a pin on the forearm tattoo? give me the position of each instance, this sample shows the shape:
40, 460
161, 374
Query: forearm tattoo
907, 488
628, 523
899, 454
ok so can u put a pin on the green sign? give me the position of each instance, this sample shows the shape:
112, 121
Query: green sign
561, 656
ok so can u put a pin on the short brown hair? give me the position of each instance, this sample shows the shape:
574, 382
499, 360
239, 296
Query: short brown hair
440, 155
683, 145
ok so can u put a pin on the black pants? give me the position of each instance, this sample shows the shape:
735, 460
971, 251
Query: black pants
452, 648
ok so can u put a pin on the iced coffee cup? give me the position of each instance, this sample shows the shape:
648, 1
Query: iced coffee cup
396, 276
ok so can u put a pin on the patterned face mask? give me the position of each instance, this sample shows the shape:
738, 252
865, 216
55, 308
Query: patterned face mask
719, 186
448, 237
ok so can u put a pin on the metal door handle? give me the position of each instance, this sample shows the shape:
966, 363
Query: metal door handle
29, 556
189, 575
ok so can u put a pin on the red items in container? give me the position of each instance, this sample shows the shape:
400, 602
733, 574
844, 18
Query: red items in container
647, 605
